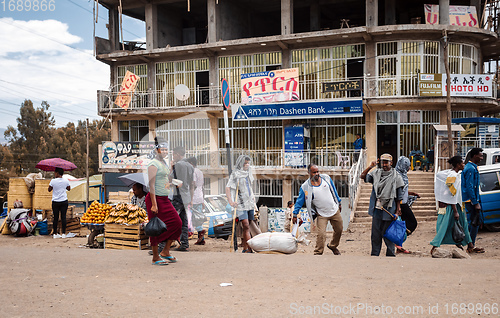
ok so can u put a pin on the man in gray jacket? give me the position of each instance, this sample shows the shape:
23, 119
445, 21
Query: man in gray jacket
322, 202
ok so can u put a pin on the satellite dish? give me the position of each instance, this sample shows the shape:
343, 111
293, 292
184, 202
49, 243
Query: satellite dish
181, 92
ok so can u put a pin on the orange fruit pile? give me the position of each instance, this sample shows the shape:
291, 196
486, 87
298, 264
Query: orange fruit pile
96, 213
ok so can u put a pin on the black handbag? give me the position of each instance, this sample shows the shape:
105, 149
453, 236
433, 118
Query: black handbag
177, 198
155, 227
457, 232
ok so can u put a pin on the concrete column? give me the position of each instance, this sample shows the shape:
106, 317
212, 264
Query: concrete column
151, 13
371, 13
370, 87
443, 116
152, 129
214, 142
114, 130
287, 192
114, 29
286, 58
444, 12
213, 75
212, 9
371, 135
390, 12
286, 17
315, 15
214, 185
151, 81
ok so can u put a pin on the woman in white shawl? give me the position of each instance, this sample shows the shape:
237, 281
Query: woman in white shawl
240, 196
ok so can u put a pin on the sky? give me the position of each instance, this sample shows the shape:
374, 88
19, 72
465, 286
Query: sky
48, 56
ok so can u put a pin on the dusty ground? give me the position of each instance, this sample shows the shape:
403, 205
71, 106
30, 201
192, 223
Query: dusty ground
61, 278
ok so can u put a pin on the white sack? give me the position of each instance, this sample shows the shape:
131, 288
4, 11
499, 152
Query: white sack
274, 242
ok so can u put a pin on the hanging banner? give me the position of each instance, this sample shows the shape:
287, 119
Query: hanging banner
270, 86
459, 15
469, 85
129, 84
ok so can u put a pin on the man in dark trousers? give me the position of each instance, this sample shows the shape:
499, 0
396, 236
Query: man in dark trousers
387, 194
182, 194
470, 195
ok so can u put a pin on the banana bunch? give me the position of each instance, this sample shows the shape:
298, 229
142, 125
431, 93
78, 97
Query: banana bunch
127, 214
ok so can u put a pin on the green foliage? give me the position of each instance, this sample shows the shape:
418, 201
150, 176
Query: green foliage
36, 138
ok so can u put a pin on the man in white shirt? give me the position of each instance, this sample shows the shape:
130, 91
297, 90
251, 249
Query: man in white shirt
322, 202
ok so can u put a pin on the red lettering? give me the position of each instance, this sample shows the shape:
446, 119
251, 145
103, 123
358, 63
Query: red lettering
472, 22
275, 82
291, 82
246, 88
479, 88
262, 83
471, 88
453, 88
428, 18
486, 88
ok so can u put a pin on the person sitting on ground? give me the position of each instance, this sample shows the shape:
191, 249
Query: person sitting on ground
448, 190
139, 197
417, 155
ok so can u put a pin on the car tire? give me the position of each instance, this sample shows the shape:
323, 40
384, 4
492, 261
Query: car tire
226, 237
494, 227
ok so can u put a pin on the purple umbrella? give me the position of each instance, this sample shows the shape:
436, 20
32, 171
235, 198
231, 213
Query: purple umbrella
53, 163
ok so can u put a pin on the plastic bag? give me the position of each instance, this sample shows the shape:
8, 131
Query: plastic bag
396, 232
155, 227
457, 233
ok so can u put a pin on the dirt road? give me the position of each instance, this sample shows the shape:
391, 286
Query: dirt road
59, 278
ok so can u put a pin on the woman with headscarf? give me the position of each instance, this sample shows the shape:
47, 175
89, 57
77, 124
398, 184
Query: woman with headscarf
402, 167
158, 204
240, 196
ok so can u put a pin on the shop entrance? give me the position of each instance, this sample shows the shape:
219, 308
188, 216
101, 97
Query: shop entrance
387, 141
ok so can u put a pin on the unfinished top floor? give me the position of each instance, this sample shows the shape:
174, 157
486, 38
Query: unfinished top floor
174, 23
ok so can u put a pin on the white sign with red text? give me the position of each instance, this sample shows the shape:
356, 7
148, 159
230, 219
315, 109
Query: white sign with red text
469, 85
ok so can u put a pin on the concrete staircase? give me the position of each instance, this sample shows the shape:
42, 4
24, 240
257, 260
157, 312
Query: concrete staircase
424, 208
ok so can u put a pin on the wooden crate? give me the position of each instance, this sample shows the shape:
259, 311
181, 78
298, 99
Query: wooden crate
122, 237
19, 191
72, 225
120, 197
42, 198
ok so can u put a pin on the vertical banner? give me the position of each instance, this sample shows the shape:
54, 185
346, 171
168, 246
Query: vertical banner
459, 15
127, 89
270, 86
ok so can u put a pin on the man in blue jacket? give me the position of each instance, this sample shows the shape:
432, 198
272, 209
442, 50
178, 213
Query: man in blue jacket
470, 196
322, 202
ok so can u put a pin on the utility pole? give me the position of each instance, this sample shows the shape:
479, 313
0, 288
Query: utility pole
451, 151
88, 181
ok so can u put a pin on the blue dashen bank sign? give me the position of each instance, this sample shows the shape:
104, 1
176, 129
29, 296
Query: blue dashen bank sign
336, 108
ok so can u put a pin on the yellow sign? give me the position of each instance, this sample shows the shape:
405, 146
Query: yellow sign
430, 85
127, 89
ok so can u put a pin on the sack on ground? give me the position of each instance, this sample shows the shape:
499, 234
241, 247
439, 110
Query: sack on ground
155, 227
457, 233
274, 242
396, 232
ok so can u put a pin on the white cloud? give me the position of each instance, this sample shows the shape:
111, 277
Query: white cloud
35, 67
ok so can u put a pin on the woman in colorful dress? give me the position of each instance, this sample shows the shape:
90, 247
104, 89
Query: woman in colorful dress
158, 204
448, 192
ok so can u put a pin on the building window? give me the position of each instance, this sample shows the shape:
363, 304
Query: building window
192, 134
133, 130
463, 58
192, 73
318, 66
231, 68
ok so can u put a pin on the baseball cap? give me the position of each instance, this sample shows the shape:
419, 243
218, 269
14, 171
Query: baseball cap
386, 156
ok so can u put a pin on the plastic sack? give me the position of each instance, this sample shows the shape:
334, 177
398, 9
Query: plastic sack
155, 227
457, 232
273, 242
396, 232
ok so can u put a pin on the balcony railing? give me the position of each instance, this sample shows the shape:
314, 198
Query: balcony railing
379, 87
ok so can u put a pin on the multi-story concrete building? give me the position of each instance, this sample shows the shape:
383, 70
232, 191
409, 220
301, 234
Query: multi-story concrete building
386, 44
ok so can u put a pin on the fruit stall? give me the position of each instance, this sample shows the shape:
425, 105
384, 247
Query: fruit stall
118, 226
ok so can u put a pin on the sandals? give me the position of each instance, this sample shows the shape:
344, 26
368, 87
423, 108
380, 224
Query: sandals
400, 249
477, 250
160, 263
170, 258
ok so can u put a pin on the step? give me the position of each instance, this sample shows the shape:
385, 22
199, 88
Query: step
421, 213
368, 224
368, 220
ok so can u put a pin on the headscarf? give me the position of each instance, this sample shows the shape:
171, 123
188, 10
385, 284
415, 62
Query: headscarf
402, 167
238, 171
